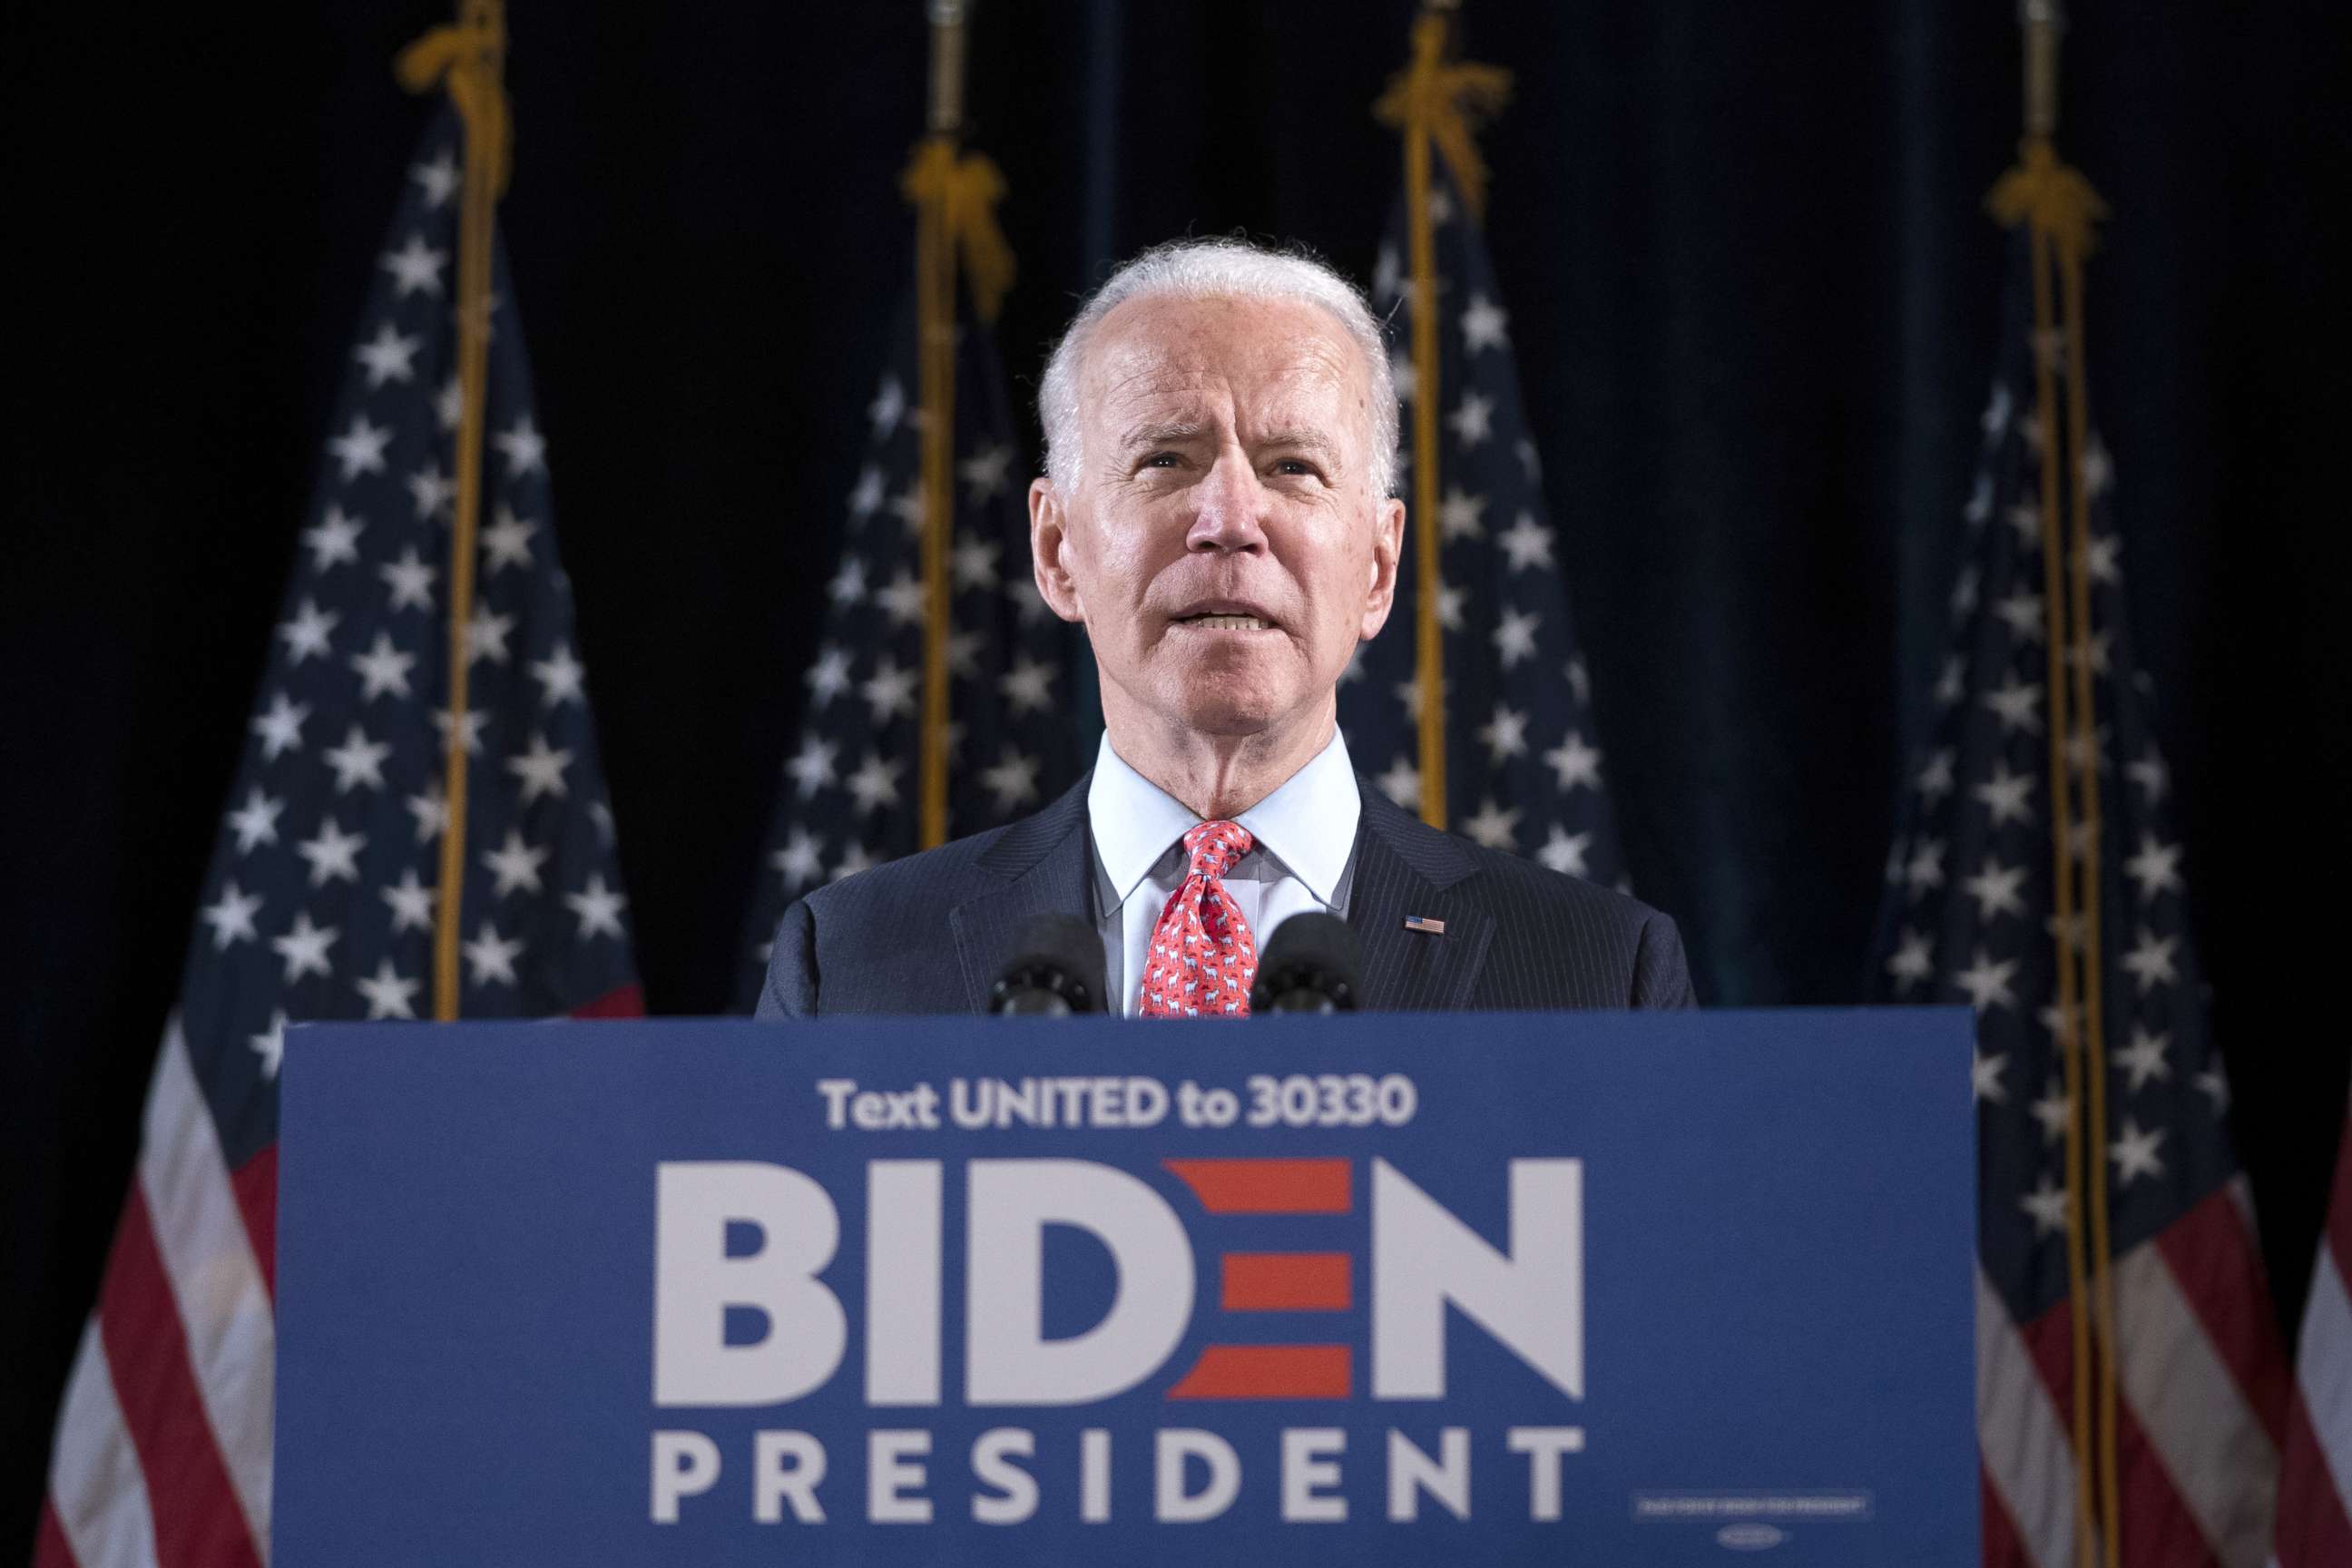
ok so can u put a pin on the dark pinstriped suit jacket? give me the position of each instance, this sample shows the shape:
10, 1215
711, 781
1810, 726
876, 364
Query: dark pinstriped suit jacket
930, 934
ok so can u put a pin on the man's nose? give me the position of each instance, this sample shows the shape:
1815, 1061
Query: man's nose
1233, 504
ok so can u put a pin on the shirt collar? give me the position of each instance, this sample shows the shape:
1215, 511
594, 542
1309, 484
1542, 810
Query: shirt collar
1309, 824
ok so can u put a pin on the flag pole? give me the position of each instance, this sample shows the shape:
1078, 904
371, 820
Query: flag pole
2073, 242
469, 59
2069, 235
1429, 643
2043, 22
935, 314
2059, 211
955, 194
1433, 101
2081, 1261
2042, 25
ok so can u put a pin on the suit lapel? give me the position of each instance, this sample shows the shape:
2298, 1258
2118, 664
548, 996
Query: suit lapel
1405, 867
1046, 869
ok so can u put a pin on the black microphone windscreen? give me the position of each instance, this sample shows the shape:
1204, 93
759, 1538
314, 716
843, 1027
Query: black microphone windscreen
1059, 955
1314, 952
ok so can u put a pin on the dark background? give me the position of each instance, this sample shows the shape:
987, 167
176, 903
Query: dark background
1753, 297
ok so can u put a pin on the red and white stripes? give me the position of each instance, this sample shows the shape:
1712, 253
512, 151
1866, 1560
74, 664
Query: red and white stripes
98, 1515
2202, 1406
162, 1452
2314, 1522
2201, 1377
2028, 1462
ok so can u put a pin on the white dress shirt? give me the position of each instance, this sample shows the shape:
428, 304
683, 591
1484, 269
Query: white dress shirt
1304, 857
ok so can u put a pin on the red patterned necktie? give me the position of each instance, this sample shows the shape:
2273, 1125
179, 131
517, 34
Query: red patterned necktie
1203, 957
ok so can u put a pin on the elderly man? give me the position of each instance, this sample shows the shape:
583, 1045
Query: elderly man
1221, 435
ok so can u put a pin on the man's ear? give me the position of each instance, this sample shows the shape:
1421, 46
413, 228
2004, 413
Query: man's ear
1049, 543
1388, 544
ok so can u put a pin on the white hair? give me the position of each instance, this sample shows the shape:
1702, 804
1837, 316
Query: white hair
1215, 269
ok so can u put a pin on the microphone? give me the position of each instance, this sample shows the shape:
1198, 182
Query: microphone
1310, 964
1059, 971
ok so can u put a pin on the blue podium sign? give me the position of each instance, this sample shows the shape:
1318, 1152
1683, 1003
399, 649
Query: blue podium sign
1604, 1289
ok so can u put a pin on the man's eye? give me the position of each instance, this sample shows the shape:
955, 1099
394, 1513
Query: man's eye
1294, 466
1161, 461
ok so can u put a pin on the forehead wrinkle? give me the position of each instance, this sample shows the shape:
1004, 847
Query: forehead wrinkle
1161, 363
1154, 432
1159, 395
1137, 382
1302, 438
1306, 409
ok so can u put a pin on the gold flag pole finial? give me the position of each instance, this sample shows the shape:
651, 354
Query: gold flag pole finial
468, 60
1445, 100
947, 66
2044, 22
966, 186
467, 57
2040, 190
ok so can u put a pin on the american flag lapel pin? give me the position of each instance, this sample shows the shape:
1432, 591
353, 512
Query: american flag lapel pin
1424, 925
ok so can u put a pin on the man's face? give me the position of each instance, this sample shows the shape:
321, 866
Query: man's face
1221, 542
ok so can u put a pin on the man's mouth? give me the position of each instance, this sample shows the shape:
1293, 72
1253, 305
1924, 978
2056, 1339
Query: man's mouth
1223, 614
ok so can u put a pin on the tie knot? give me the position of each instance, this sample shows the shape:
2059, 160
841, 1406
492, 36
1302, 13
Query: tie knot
1215, 846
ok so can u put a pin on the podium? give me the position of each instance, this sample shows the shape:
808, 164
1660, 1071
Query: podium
1605, 1289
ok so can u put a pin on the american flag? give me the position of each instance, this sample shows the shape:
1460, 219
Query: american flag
319, 903
1523, 761
2315, 1513
1971, 915
850, 788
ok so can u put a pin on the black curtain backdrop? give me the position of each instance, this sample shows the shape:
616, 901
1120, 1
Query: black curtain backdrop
1752, 296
